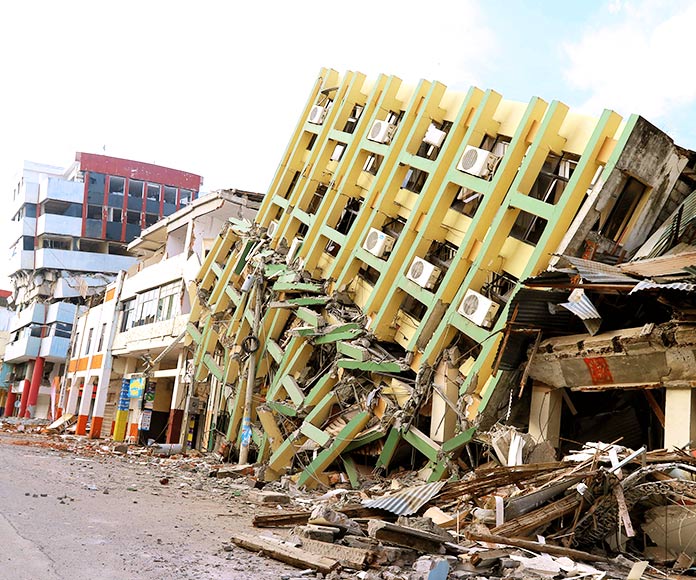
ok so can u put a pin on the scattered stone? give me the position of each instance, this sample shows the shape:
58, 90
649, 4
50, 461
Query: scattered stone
269, 497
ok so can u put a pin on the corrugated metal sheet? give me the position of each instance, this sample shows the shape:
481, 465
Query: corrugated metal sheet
662, 266
598, 273
407, 501
580, 305
650, 285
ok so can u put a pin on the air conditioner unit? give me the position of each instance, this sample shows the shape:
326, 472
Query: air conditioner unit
272, 229
317, 114
434, 136
378, 243
479, 309
423, 273
382, 132
294, 249
478, 162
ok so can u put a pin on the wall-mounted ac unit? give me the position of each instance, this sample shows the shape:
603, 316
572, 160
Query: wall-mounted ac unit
423, 273
317, 114
434, 136
479, 309
378, 243
272, 229
382, 132
294, 249
478, 162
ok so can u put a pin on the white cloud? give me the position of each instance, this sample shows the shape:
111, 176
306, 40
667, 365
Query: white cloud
640, 62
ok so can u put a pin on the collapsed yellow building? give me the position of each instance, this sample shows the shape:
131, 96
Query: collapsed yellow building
363, 313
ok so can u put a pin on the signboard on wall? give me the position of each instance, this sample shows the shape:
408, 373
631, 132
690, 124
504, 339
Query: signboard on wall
137, 386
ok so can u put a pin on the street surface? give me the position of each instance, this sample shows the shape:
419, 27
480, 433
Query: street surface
67, 516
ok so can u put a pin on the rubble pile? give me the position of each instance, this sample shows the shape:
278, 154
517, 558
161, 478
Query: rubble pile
330, 400
597, 514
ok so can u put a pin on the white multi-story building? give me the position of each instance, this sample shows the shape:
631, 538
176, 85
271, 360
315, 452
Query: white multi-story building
136, 332
68, 239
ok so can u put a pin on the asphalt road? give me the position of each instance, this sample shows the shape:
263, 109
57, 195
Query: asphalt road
72, 517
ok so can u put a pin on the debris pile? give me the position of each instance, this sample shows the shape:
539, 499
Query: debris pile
596, 514
329, 400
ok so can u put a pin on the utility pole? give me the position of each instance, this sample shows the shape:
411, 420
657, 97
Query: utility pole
251, 376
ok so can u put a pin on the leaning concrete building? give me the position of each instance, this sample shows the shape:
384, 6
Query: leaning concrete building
365, 315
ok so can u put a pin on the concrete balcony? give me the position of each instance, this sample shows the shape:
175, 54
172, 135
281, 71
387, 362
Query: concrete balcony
149, 338
34, 314
25, 348
54, 348
59, 224
20, 260
61, 312
60, 189
82, 261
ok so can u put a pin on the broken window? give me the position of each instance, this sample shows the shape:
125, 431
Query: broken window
293, 181
496, 144
133, 217
135, 188
394, 227
88, 344
127, 317
151, 219
623, 210
312, 141
394, 117
441, 254
315, 202
94, 212
90, 246
55, 243
114, 214
415, 180
117, 185
62, 329
168, 305
467, 201
64, 208
352, 121
349, 214
528, 227
553, 177
146, 307
117, 250
185, 197
332, 248
338, 152
153, 192
102, 334
170, 194
373, 163
27, 242
369, 274
434, 139
96, 188
414, 308
499, 286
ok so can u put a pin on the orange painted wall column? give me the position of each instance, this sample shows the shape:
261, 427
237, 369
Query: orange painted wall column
85, 405
24, 401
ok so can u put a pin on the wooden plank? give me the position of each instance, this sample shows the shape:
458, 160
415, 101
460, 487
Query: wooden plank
407, 537
528, 522
286, 553
349, 557
536, 547
287, 519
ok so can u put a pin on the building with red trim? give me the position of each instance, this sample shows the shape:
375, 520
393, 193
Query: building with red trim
70, 231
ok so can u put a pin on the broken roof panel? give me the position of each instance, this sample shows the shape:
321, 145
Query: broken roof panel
598, 273
662, 266
407, 501
650, 285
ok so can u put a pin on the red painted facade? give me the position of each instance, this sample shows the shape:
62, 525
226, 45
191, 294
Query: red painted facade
138, 170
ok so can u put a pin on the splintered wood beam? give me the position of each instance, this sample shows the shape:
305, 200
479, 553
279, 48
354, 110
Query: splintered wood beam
284, 552
407, 537
536, 547
528, 522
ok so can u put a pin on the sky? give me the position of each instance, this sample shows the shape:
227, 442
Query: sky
216, 87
